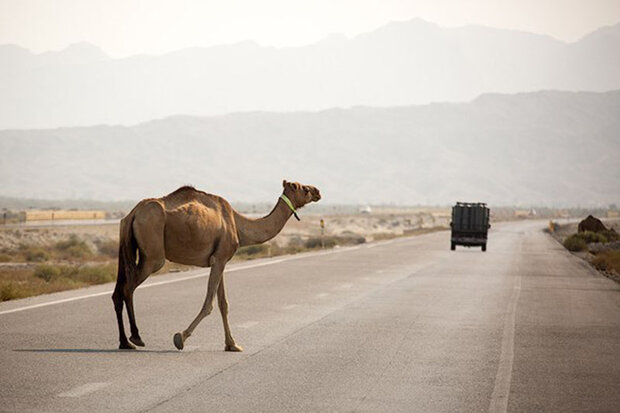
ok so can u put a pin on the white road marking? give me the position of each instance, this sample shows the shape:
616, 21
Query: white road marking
190, 277
289, 307
84, 389
322, 295
247, 324
501, 390
345, 286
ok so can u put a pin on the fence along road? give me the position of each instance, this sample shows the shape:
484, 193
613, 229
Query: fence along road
404, 325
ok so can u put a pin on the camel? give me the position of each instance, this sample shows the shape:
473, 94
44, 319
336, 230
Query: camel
192, 227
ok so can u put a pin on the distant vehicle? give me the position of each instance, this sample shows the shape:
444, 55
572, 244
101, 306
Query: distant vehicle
365, 209
470, 225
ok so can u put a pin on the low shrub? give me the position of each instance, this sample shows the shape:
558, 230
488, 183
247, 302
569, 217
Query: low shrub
589, 237
580, 241
47, 272
12, 290
5, 258
575, 243
109, 248
253, 250
353, 239
315, 242
611, 235
73, 248
34, 254
96, 275
86, 274
607, 261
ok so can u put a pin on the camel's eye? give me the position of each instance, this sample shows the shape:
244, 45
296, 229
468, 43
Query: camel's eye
306, 189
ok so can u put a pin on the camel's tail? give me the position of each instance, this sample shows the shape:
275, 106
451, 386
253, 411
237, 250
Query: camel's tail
127, 248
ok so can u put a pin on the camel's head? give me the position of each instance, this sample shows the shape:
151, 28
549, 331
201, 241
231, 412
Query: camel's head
299, 194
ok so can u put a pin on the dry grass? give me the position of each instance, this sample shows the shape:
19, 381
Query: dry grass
20, 283
608, 262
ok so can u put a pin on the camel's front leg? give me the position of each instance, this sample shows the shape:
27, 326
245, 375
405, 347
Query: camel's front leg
217, 269
223, 304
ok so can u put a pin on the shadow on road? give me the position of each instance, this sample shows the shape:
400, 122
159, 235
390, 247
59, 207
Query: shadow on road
90, 350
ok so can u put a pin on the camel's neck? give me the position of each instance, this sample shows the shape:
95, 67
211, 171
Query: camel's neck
257, 231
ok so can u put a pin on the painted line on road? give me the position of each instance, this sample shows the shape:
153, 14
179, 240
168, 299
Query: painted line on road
501, 390
84, 389
191, 277
289, 307
322, 295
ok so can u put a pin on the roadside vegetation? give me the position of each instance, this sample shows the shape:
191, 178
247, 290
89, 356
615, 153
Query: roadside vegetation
75, 262
580, 240
601, 249
29, 270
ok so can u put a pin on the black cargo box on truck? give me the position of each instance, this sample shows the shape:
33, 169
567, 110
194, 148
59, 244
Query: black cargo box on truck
470, 225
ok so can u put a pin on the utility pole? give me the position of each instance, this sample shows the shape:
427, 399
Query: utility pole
322, 234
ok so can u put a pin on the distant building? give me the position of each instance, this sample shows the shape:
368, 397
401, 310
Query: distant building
521, 213
53, 215
613, 213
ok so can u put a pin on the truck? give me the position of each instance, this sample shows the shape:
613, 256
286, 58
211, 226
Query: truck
470, 225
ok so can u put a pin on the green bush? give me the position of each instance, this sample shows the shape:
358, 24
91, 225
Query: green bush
589, 237
575, 243
47, 272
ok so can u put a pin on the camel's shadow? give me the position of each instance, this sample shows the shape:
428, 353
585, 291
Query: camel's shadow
91, 350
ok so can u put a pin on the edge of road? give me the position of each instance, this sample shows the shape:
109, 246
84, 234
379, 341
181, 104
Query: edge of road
61, 297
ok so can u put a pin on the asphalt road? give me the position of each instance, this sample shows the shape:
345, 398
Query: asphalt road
404, 325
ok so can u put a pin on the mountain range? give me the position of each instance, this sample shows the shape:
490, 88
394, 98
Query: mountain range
401, 63
542, 148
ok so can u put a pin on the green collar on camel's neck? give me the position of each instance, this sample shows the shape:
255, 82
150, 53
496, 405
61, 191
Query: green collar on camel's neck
290, 205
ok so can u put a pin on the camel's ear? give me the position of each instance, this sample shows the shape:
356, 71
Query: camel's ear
284, 183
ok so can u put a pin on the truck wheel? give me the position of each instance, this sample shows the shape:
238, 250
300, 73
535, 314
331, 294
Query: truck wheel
453, 246
484, 247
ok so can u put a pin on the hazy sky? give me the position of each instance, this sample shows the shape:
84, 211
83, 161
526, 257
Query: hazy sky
124, 27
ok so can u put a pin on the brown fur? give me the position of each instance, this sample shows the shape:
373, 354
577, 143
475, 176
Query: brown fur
191, 227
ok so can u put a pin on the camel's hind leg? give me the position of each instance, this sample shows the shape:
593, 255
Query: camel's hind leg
223, 305
149, 233
146, 267
117, 297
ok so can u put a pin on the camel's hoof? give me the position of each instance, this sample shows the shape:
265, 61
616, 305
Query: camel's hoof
137, 341
126, 346
234, 347
178, 341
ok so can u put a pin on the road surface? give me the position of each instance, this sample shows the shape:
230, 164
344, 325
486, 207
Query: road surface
403, 325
